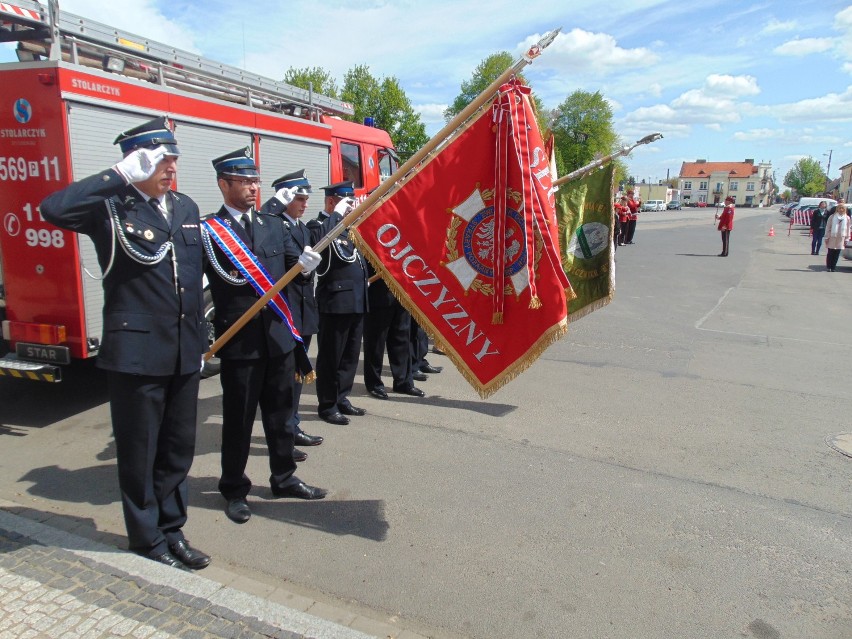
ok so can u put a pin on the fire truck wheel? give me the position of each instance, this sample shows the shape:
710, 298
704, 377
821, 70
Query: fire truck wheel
212, 365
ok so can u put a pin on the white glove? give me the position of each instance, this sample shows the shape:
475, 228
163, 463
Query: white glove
309, 260
285, 195
140, 165
344, 206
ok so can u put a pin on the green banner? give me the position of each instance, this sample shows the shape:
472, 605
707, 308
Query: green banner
584, 210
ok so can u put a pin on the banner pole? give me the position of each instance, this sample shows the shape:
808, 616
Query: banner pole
365, 208
604, 160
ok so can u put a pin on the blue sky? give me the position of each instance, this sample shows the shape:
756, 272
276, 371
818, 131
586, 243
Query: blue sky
721, 80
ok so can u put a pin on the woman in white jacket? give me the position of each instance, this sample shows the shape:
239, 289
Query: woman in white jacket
837, 230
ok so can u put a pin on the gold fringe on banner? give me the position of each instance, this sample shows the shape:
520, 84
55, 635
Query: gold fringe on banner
553, 334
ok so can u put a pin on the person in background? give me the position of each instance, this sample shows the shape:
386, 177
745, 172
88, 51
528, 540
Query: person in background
246, 254
622, 218
726, 224
634, 204
387, 327
295, 189
818, 219
147, 239
837, 229
342, 300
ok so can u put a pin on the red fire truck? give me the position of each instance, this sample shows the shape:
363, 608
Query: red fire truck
76, 85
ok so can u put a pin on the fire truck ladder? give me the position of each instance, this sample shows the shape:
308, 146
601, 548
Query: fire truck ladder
46, 32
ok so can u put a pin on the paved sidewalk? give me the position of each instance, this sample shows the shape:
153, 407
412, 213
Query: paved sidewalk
59, 585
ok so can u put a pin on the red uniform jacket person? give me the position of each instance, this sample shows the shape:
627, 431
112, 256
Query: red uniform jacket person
726, 219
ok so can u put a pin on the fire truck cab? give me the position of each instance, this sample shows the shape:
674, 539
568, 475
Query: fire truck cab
76, 85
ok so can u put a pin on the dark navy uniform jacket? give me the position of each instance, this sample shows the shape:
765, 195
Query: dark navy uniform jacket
150, 326
265, 335
341, 283
300, 291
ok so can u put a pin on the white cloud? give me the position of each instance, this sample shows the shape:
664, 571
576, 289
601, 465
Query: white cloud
141, 17
799, 47
834, 107
731, 86
580, 51
843, 20
776, 26
760, 134
432, 115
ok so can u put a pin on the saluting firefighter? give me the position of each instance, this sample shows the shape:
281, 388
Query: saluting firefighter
247, 253
148, 244
290, 203
342, 300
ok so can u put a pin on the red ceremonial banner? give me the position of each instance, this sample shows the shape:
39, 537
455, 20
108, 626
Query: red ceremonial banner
435, 238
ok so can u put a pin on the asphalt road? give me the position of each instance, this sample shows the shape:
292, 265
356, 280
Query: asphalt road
662, 471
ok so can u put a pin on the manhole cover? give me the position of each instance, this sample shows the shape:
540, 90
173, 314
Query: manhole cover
841, 442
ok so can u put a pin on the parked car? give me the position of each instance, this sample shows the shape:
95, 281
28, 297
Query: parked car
674, 205
701, 204
653, 205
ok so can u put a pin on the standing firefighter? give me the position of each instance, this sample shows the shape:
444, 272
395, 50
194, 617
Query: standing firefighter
148, 243
342, 300
247, 253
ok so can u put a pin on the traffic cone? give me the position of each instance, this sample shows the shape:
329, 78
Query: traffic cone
771, 231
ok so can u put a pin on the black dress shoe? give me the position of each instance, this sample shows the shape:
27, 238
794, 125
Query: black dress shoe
336, 418
349, 409
379, 393
409, 390
303, 439
169, 559
189, 556
420, 377
299, 455
238, 510
300, 491
428, 368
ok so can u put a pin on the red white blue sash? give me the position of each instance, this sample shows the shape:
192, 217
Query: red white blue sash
256, 275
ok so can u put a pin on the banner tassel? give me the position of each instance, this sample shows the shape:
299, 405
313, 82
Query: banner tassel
535, 302
497, 318
310, 378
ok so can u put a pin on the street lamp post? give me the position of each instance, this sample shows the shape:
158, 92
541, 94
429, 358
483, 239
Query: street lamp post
828, 171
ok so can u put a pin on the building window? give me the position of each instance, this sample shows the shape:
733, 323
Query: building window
733, 187
702, 186
687, 185
750, 186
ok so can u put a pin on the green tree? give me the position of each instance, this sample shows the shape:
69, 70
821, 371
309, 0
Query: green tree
583, 130
806, 177
316, 79
388, 105
483, 75
396, 116
362, 91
